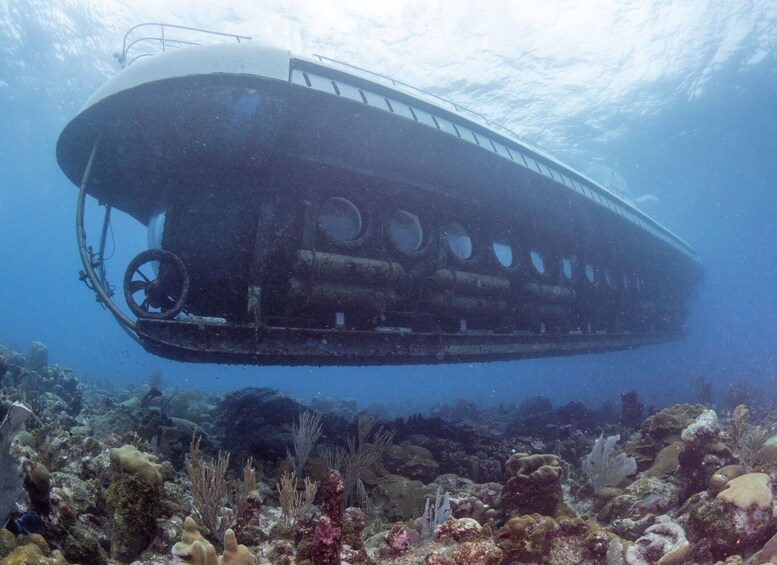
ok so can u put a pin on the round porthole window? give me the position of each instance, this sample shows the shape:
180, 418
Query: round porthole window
538, 261
503, 252
405, 232
340, 219
459, 241
567, 268
590, 273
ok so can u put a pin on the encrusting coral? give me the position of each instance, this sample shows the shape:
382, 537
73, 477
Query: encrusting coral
533, 484
541, 539
133, 504
34, 552
129, 459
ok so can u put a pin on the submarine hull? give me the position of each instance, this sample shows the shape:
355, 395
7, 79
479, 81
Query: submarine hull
322, 218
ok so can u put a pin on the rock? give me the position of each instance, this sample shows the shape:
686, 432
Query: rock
663, 543
767, 554
10, 484
411, 461
646, 495
118, 421
37, 357
660, 430
704, 429
460, 529
768, 453
667, 461
399, 498
483, 552
736, 521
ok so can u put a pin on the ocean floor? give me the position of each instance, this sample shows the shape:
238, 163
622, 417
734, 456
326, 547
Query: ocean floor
93, 472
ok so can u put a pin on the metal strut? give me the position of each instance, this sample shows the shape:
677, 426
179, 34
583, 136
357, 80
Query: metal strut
85, 254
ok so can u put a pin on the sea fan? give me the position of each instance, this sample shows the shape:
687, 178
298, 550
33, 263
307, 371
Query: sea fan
606, 468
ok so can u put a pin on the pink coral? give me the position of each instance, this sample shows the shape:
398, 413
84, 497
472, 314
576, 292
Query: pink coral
326, 543
397, 541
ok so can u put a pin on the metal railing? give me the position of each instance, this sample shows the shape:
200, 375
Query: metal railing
158, 40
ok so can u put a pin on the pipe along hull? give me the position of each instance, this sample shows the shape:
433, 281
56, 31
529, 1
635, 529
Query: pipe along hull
321, 218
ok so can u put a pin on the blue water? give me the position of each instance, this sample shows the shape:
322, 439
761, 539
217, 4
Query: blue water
678, 98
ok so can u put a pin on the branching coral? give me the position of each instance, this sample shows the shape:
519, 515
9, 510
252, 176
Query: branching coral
362, 452
293, 502
306, 433
209, 486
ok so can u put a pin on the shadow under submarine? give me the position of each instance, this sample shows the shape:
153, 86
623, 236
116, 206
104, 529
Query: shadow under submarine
305, 211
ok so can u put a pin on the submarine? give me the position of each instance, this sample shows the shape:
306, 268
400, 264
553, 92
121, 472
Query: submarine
304, 211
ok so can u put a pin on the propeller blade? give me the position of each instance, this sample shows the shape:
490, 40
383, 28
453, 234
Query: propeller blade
167, 303
136, 286
145, 278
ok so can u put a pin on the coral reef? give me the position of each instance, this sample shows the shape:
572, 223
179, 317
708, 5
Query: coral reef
266, 481
660, 430
541, 539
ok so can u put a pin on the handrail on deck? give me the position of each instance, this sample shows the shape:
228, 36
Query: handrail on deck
457, 107
163, 40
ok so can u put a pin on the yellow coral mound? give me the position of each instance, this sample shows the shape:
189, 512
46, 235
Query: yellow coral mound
128, 459
753, 489
195, 549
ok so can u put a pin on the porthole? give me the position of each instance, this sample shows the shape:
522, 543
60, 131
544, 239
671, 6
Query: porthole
567, 268
340, 219
405, 231
459, 241
538, 261
503, 252
590, 273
